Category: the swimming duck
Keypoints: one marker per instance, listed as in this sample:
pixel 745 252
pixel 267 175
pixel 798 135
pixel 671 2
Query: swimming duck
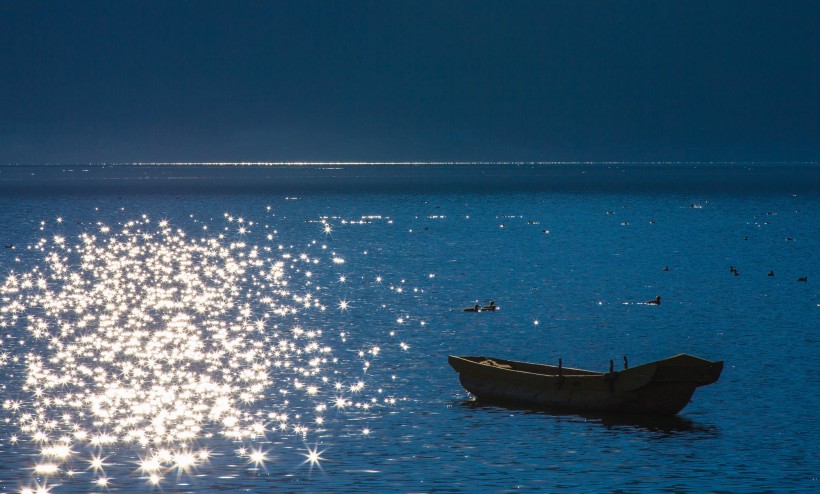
pixel 804 278
pixel 771 273
pixel 472 309
pixel 657 301
pixel 490 307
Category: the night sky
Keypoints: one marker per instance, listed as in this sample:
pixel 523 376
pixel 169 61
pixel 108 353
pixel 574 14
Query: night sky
pixel 117 81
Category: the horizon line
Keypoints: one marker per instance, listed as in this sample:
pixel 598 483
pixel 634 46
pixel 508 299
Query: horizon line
pixel 405 163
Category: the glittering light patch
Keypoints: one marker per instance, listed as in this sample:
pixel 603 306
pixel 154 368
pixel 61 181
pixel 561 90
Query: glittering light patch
pixel 141 334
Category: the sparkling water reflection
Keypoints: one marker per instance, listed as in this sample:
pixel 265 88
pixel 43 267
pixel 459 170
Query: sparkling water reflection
pixel 141 334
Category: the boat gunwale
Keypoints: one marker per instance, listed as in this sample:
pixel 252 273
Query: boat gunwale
pixel 565 371
pixel 471 361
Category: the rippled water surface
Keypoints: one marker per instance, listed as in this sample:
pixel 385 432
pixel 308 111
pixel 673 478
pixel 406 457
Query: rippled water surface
pixel 266 329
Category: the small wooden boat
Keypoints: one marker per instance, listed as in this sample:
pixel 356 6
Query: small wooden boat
pixel 657 388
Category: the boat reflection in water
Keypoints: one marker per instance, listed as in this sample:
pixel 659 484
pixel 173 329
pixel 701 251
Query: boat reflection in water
pixel 663 426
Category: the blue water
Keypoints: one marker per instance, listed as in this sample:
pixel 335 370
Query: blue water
pixel 568 252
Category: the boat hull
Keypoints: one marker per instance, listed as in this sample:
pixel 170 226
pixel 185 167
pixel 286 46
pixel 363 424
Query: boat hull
pixel 659 388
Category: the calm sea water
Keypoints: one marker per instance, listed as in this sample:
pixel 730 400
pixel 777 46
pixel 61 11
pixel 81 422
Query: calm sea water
pixel 338 381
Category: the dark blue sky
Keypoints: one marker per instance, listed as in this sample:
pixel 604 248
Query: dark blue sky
pixel 401 81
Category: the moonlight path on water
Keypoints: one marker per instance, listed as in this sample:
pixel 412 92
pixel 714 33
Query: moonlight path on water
pixel 140 334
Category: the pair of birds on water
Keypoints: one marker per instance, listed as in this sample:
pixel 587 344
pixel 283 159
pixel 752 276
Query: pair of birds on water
pixel 486 308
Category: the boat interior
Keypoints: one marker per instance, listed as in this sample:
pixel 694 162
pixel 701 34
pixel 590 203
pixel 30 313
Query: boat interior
pixel 551 370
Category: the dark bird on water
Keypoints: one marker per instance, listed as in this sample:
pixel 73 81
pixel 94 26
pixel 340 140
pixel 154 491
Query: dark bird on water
pixel 804 278
pixel 656 301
